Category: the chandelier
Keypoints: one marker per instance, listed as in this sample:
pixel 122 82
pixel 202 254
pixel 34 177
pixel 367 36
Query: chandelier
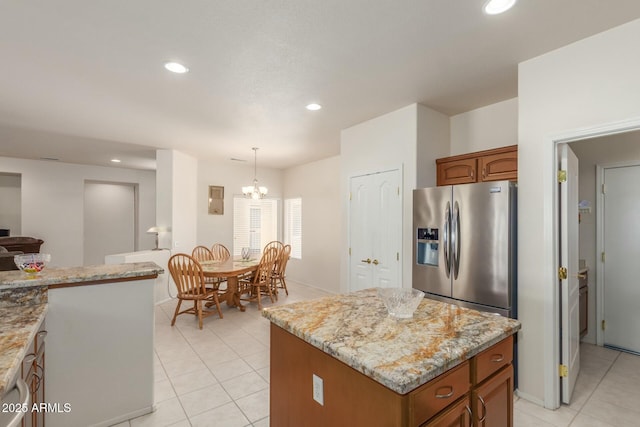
pixel 254 191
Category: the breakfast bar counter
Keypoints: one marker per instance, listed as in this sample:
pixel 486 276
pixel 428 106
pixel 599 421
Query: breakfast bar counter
pixel 97 325
pixel 364 361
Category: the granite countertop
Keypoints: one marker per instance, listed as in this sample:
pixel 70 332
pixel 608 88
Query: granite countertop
pixel 17 329
pixel 399 354
pixel 55 276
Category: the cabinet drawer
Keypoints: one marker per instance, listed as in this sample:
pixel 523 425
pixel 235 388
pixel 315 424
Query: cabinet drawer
pixel 492 359
pixel 439 393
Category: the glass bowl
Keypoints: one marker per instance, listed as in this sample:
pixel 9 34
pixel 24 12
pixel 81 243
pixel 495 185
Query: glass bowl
pixel 31 263
pixel 400 302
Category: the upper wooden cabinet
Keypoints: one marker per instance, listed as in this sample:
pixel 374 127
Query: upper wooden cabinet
pixel 489 165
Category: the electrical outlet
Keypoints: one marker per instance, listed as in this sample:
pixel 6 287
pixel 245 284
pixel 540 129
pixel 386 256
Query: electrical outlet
pixel 318 389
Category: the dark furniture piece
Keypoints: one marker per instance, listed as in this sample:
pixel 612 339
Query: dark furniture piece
pixel 6 260
pixel 28 245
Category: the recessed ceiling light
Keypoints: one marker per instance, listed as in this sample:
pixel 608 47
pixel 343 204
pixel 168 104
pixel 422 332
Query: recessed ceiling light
pixel 116 160
pixel 175 67
pixel 495 7
pixel 314 107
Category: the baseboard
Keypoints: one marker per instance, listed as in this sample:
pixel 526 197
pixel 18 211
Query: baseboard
pixel 529 398
pixel 126 417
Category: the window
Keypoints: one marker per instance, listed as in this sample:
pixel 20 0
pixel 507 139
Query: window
pixel 293 226
pixel 255 223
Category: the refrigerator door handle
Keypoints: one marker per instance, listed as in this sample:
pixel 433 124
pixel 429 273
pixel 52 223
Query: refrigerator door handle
pixel 445 240
pixel 455 240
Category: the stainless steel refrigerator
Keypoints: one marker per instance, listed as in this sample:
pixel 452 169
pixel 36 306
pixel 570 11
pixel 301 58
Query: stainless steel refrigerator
pixel 465 249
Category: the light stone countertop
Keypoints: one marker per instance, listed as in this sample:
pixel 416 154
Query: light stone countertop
pixel 18 327
pixel 399 354
pixel 95 273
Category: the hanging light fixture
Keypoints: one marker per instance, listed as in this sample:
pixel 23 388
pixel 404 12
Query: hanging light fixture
pixel 253 191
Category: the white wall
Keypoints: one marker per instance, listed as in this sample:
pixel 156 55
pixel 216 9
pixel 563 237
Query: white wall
pixel 433 143
pixel 176 205
pixel 391 142
pixel 318 184
pixel 232 176
pixel 591 83
pixel 10 217
pixel 493 126
pixel 52 203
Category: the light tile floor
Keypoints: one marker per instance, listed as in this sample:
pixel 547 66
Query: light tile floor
pixel 219 376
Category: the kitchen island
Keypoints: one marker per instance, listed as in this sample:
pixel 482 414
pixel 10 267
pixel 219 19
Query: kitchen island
pixel 341 360
pixel 97 325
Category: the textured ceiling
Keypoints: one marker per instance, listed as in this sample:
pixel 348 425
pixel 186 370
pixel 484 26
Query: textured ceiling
pixel 83 81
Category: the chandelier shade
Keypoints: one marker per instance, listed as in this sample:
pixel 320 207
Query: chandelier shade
pixel 255 191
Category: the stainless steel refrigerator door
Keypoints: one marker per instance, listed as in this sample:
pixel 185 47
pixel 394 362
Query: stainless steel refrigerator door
pixel 431 231
pixel 481 243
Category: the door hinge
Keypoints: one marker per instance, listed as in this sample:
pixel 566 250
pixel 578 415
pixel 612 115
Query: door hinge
pixel 397 256
pixel 562 273
pixel 349 251
pixel 604 189
pixel 602 257
pixel 398 191
pixel 563 371
pixel 349 195
pixel 604 325
pixel 562 176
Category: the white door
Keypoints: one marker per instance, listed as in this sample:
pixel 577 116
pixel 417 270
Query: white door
pixel 375 230
pixel 569 287
pixel 621 236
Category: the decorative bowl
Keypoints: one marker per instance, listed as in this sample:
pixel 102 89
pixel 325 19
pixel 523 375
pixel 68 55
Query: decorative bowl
pixel 31 263
pixel 400 302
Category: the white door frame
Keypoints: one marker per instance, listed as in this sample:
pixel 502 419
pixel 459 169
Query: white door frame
pixel 551 350
pixel 600 242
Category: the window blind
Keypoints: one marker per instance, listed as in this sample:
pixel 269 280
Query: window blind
pixel 293 226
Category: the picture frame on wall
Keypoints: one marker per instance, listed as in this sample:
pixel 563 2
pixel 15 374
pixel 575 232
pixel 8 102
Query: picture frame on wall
pixel 216 200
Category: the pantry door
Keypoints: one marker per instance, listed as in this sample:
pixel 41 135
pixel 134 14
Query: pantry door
pixel 375 230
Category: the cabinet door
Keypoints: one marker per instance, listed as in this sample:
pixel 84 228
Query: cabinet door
pixel 457 172
pixel 492 401
pixel 458 415
pixel 497 167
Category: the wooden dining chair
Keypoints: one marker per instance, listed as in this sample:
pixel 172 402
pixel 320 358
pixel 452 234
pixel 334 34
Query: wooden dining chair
pixel 187 274
pixel 202 253
pixel 260 283
pixel 279 272
pixel 273 244
pixel 220 251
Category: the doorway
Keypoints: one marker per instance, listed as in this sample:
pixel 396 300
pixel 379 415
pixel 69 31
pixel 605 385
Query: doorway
pixel 605 144
pixel 110 220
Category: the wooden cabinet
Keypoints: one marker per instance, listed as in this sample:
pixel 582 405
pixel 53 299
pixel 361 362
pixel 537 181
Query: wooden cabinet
pixel 492 401
pixel 457 415
pixel 489 165
pixel 583 281
pixel 33 373
pixel 477 392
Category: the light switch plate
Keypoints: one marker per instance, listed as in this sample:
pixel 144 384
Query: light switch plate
pixel 318 389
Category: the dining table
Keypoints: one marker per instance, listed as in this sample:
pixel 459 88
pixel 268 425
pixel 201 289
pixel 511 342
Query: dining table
pixel 230 269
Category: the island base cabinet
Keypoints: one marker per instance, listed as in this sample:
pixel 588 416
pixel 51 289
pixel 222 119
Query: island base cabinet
pixel 350 398
pixel 492 401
